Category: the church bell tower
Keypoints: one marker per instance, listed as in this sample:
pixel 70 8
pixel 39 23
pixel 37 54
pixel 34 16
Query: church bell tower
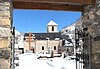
pixel 52 27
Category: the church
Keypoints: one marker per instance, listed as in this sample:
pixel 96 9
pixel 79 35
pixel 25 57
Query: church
pixel 44 42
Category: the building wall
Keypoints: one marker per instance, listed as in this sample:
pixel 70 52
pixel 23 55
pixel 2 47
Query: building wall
pixel 26 45
pixel 91 21
pixel 4 43
pixel 5 31
pixel 37 45
pixel 5 23
pixel 96 55
pixel 50 29
pixel 5 13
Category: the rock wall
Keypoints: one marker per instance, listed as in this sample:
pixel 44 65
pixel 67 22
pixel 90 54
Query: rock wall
pixel 90 20
pixel 5 20
pixel 5 33
pixel 91 25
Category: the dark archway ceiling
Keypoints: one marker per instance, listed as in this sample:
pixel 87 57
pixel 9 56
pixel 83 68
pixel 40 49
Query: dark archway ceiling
pixel 64 5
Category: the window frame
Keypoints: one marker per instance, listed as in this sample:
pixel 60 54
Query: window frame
pixel 52 28
pixel 42 47
pixel 55 48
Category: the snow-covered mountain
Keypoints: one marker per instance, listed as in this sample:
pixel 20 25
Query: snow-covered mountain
pixel 68 34
pixel 18 40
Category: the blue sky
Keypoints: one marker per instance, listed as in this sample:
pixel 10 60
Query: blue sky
pixel 37 20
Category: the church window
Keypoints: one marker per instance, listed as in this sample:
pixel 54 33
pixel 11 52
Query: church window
pixel 42 47
pixel 54 47
pixel 52 28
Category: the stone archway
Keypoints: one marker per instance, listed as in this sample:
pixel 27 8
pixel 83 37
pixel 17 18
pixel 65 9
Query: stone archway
pixel 90 19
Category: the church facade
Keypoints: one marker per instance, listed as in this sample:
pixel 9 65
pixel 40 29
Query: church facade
pixel 44 42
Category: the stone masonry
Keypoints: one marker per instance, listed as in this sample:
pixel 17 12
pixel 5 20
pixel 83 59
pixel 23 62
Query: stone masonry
pixel 91 21
pixel 5 33
pixel 90 24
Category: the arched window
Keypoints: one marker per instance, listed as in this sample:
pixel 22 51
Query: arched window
pixel 54 47
pixel 42 47
pixel 67 50
pixel 52 28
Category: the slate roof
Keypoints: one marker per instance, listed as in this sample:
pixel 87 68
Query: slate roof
pixel 44 36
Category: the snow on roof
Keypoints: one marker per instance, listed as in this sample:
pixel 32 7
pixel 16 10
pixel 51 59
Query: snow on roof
pixel 52 23
pixel 70 28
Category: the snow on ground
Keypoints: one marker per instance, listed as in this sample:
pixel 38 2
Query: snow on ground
pixel 30 61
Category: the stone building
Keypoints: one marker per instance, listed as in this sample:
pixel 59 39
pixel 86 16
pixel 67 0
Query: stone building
pixel 90 20
pixel 44 42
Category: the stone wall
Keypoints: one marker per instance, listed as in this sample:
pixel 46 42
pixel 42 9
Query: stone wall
pixel 96 55
pixel 37 45
pixel 5 20
pixel 5 11
pixel 5 34
pixel 4 43
pixel 91 21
